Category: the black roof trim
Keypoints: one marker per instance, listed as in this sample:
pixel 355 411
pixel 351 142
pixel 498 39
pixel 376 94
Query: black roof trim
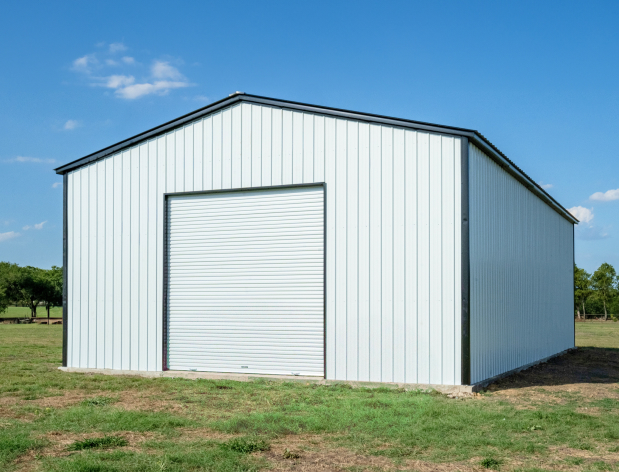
pixel 474 137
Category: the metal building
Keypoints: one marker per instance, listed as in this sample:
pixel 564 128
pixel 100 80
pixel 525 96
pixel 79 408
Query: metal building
pixel 265 236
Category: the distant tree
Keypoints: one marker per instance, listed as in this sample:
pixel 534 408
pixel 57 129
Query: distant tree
pixel 8 272
pixel 53 288
pixel 604 281
pixel 582 289
pixel 28 286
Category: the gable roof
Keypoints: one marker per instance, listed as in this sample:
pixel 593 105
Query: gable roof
pixel 473 136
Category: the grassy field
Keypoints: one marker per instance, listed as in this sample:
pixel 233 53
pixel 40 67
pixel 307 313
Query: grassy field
pixel 24 312
pixel 563 415
pixel 597 334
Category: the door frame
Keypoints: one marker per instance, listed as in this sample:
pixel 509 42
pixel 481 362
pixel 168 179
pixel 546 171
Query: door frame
pixel 165 271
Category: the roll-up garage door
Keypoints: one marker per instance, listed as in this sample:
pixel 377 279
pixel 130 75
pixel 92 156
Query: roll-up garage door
pixel 245 288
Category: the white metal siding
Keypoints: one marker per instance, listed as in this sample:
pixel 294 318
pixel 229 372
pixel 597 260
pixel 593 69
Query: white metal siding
pixel 246 282
pixel 521 256
pixel 393 236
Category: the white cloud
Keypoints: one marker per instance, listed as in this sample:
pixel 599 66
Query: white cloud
pixel 163 70
pixel 607 196
pixel 30 159
pixel 56 184
pixel 116 47
pixel 160 87
pixel 119 81
pixel 85 63
pixel 125 86
pixel 35 226
pixel 71 124
pixel 159 80
pixel 584 215
pixel 545 186
pixel 586 230
pixel 7 236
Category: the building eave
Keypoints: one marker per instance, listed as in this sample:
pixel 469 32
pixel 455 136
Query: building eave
pixel 474 137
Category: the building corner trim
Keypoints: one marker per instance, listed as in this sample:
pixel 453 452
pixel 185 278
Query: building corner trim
pixel 65 268
pixel 164 301
pixel 573 280
pixel 465 378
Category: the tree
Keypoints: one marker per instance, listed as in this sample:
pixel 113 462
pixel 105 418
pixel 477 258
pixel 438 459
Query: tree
pixel 582 289
pixel 28 286
pixel 8 273
pixel 53 288
pixel 604 282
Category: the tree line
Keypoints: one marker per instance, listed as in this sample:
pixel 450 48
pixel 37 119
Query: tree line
pixel 30 286
pixel 596 293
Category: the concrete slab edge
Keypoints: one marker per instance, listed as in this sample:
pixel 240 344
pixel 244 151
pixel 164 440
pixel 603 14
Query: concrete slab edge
pixel 191 375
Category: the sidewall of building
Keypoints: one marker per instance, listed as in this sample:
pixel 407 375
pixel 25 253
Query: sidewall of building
pixel 521 273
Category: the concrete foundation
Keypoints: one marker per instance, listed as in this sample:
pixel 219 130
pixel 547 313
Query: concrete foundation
pixel 453 390
pixel 191 375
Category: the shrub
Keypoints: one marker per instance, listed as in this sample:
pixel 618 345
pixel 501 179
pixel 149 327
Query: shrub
pixel 246 445
pixel 490 463
pixel 103 443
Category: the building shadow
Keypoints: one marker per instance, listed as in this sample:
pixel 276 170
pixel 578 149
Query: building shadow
pixel 585 365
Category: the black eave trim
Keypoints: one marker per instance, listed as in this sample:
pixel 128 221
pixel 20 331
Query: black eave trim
pixel 65 268
pixel 234 190
pixel 466 266
pixel 474 137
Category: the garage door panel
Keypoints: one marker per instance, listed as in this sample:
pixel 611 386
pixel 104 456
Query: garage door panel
pixel 246 282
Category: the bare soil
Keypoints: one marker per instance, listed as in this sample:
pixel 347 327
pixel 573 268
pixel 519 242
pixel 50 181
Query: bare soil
pixel 315 454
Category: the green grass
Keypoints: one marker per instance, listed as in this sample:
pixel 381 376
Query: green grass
pixel 24 312
pixel 226 425
pixel 597 334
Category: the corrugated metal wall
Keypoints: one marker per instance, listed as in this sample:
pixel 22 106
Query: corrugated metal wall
pixel 393 237
pixel 521 256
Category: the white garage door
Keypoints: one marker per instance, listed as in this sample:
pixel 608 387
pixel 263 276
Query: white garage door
pixel 245 286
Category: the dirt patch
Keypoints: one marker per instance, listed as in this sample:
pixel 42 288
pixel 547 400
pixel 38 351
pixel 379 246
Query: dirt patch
pixel 567 458
pixel 60 441
pixel 7 408
pixel 310 453
pixel 129 400
pixel 70 398
pixel 10 405
pixel 599 454
pixel 148 401
pixel 592 373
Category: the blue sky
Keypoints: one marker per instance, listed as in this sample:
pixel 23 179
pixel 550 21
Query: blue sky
pixel 539 79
